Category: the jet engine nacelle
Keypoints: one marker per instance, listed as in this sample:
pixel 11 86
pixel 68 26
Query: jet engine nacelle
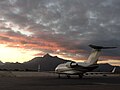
pixel 71 64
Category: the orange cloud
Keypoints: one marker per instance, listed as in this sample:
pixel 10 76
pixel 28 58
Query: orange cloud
pixel 13 39
pixel 18 40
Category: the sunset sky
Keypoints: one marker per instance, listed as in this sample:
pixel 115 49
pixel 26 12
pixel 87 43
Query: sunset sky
pixel 63 28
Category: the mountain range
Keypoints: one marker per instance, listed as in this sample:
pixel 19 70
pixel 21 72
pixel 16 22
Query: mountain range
pixel 47 63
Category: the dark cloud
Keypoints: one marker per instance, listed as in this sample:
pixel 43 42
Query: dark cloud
pixel 70 25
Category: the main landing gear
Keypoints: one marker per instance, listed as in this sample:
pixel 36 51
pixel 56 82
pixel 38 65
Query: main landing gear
pixel 80 76
pixel 68 76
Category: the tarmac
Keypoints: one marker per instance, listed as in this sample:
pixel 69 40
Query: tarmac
pixel 50 81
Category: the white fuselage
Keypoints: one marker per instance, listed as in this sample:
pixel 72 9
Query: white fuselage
pixel 64 69
pixel 67 69
pixel 82 67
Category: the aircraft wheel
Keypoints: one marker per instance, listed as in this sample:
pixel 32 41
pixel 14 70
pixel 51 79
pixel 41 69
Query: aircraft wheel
pixel 80 76
pixel 68 76
pixel 58 75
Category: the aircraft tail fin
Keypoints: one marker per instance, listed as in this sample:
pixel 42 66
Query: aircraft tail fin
pixel 93 58
pixel 100 47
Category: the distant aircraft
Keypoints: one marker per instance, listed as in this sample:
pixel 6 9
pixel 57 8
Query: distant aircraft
pixel 100 73
pixel 79 68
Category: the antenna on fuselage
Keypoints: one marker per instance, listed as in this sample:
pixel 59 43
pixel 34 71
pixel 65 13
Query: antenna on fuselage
pixel 39 68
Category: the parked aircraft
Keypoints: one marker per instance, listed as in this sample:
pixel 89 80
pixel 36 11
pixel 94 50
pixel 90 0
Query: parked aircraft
pixel 100 73
pixel 79 68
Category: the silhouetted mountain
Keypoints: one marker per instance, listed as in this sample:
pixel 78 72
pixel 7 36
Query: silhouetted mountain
pixel 117 69
pixel 1 63
pixel 11 66
pixel 48 63
pixel 104 67
pixel 107 68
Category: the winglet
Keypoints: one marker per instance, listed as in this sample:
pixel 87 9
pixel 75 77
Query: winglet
pixel 113 71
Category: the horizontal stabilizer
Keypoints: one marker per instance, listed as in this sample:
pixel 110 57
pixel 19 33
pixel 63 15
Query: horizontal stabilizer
pixel 101 47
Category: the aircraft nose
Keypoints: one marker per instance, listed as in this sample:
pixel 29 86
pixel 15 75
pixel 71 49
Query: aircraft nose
pixel 56 69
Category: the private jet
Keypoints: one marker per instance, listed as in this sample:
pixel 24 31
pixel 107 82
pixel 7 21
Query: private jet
pixel 79 68
pixel 100 73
